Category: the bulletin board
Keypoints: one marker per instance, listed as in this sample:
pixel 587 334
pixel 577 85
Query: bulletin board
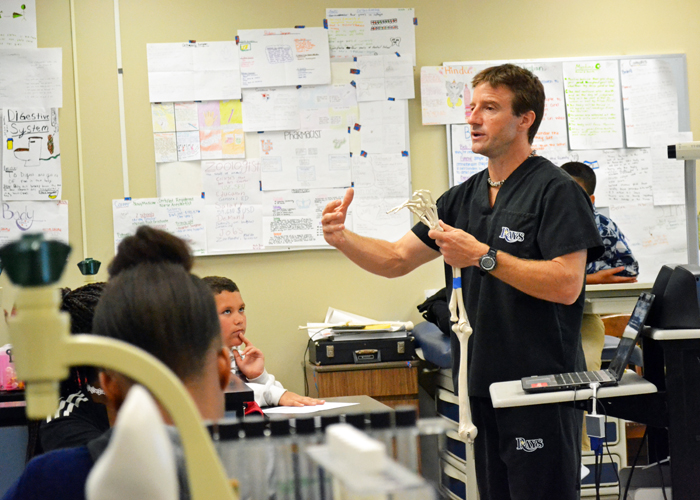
pixel 249 169
pixel 652 199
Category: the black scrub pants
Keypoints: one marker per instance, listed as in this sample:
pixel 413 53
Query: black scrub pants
pixel 527 452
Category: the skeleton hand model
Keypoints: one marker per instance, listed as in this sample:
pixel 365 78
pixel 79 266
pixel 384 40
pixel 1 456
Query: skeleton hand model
pixel 422 205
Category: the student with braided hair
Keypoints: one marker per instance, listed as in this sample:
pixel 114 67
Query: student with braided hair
pixel 82 414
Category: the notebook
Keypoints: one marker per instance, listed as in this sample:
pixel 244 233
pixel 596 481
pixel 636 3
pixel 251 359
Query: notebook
pixel 609 376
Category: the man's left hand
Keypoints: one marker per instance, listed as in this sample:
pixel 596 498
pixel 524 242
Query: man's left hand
pixel 459 248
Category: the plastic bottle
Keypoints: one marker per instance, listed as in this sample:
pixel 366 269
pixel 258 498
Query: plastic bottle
pixel 306 471
pixel 380 429
pixel 257 482
pixel 283 475
pixel 231 449
pixel 406 437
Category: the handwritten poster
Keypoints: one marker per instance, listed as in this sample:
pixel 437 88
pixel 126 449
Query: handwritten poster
pixel 23 217
pixel 291 56
pixel 593 104
pixel 31 160
pixel 31 78
pixel 383 126
pixel 17 24
pixel 292 217
pixel 305 159
pixel 649 99
pixel 668 175
pixel 384 77
pixel 657 235
pixel 551 134
pixel 328 106
pixel 629 171
pixel 446 93
pixel 369 32
pixel 180 216
pixel 465 163
pixel 232 205
pixel 204 71
pixel 271 109
pixel 382 182
pixel 598 160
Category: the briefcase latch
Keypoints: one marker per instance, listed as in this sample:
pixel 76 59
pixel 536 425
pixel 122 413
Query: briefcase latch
pixel 367 356
pixel 330 351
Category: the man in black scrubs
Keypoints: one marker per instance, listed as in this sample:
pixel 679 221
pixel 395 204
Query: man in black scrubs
pixel 521 231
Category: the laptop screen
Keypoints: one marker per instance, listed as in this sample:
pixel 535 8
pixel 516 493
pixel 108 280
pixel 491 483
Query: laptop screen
pixel 631 334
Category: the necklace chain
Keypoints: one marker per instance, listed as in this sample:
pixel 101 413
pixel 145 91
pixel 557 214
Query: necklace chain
pixel 497 184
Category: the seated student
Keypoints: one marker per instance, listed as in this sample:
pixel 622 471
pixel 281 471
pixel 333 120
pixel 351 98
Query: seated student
pixel 249 362
pixel 616 265
pixel 81 414
pixel 151 301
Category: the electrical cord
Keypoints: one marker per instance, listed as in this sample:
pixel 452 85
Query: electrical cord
pixel 303 367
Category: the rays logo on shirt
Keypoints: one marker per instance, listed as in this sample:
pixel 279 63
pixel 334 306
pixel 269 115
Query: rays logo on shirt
pixel 511 236
pixel 528 445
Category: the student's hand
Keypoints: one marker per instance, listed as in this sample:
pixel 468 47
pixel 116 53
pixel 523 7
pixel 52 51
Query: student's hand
pixel 333 220
pixel 293 399
pixel 252 362
pixel 459 248
pixel 608 276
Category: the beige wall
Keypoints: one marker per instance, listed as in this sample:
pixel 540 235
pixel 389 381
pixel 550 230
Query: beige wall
pixel 283 290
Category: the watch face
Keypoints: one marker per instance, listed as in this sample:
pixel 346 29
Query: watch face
pixel 487 263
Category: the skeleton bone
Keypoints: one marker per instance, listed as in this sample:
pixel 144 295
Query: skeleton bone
pixel 423 206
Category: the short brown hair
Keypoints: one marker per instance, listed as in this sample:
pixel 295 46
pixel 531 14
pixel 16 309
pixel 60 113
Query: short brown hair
pixel 528 91
pixel 219 284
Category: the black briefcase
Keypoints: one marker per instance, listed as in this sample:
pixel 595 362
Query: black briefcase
pixel 343 352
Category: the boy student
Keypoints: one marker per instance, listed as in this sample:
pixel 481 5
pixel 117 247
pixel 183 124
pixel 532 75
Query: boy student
pixel 521 231
pixel 250 361
pixel 151 301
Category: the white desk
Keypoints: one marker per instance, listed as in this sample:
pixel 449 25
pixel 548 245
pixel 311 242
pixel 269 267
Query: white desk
pixel 614 298
pixel 507 394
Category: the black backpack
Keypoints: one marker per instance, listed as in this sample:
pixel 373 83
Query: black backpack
pixel 436 310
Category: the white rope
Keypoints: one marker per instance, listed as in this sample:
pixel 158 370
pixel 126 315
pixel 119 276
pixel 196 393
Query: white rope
pixel 423 206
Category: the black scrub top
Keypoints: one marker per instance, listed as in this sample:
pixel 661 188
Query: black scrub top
pixel 540 213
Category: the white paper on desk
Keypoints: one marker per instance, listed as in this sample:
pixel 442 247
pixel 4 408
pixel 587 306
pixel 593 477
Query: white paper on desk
pixel 293 217
pixel 18 26
pixel 204 71
pixel 381 183
pixel 552 132
pixel 649 99
pixel 266 109
pixel 289 56
pixel 337 316
pixel 668 175
pixel 31 163
pixel 233 205
pixel 305 409
pixel 384 77
pixel 593 104
pixel 328 106
pixel 31 78
pixel 181 216
pixel 305 159
pixel 364 32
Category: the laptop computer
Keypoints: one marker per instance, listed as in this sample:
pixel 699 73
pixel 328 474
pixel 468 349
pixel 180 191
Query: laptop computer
pixel 609 376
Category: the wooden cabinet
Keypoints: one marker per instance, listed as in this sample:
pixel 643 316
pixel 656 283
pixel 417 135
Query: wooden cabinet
pixel 393 383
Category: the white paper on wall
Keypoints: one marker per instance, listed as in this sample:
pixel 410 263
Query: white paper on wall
pixel 180 216
pixel 23 217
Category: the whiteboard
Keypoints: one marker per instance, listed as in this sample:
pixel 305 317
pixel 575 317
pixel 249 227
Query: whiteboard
pixel 677 65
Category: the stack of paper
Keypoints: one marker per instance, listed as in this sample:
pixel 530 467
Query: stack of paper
pixel 344 326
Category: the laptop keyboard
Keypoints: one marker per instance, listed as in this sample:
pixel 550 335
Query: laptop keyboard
pixel 582 377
